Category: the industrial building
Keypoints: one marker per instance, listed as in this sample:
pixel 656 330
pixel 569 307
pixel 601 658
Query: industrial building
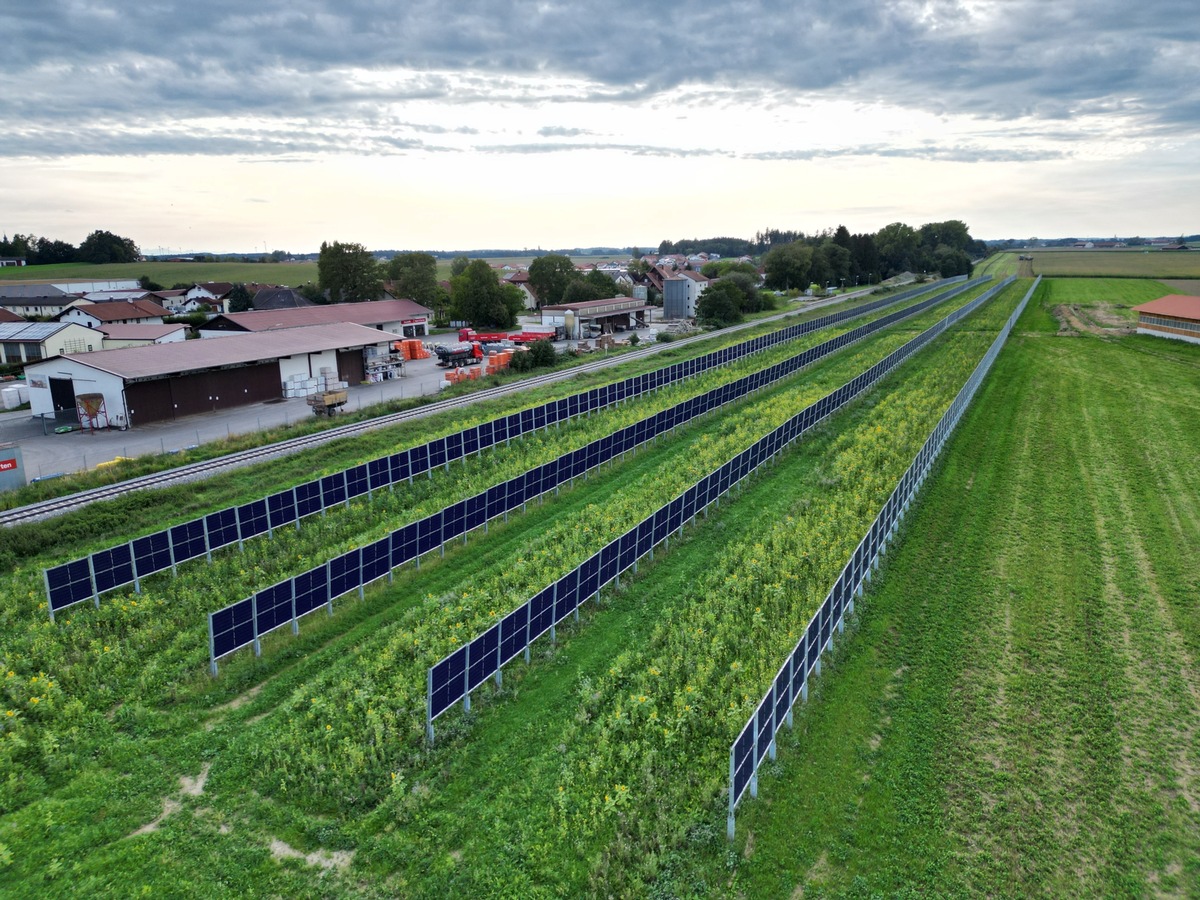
pixel 402 318
pixel 136 385
pixel 590 318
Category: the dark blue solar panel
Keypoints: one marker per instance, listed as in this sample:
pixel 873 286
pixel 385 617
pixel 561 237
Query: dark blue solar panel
pixel 358 480
pixel 333 489
pixel 113 567
pixel 437 453
pixel 400 466
pixel 405 542
pixel 379 472
pixel 512 633
pixel 566 595
pixel 446 682
pixel 799 670
pixel 484 657
pixel 476 510
pixel 454 519
pixel 675 513
pixel 645 536
pixel 526 421
pixel 252 519
pixel 609 556
pixel 376 560
pixel 539 416
pixel 541 612
pixel 418 460
pixel 814 643
pixel 281 510
pixel 188 540
pixel 513 427
pixel 345 573
pixel 273 607
pixel 497 500
pixel 312 590
pixel 454 446
pixel 589 577
pixel 662 524
pixel 562 410
pixel 232 627
pixel 486 438
pixel 69 583
pixel 762 724
pixel 152 553
pixel 429 533
pixel 628 552
pixel 516 491
pixel 308 499
pixel 222 528
pixel 782 683
pixel 470 441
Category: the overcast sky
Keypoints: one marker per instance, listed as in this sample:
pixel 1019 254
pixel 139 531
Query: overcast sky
pixel 226 125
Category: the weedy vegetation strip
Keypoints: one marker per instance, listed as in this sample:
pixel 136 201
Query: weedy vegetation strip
pixel 116 566
pixel 246 621
pixel 757 739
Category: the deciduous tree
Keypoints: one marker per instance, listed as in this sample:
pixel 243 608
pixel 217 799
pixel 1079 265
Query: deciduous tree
pixel 549 276
pixel 348 273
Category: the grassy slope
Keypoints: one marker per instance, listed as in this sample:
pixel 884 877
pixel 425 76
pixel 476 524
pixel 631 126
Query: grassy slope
pixel 1018 714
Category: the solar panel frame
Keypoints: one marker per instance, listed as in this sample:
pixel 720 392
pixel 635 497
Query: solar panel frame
pixel 112 568
pixel 151 553
pixel 68 584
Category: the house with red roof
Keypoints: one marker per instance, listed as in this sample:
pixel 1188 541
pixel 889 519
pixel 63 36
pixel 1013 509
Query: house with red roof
pixel 1176 316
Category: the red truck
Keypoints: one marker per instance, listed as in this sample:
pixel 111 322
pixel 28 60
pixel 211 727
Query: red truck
pixel 546 334
pixel 466 335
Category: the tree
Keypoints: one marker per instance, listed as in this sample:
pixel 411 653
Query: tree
pixel 240 300
pixel 459 265
pixel 348 273
pixel 549 276
pixel 414 276
pixel 788 266
pixel 720 267
pixel 897 245
pixel 604 285
pixel 146 283
pixel 747 285
pixel 479 298
pixel 581 291
pixel 49 252
pixel 106 247
pixel 719 305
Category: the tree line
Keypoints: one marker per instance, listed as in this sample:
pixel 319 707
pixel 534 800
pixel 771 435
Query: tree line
pixel 98 247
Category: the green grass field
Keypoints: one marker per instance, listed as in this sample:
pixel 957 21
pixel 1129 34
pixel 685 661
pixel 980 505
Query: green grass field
pixel 1014 712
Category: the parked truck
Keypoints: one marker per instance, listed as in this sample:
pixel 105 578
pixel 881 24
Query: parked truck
pixel 456 355
pixel 547 333
pixel 466 335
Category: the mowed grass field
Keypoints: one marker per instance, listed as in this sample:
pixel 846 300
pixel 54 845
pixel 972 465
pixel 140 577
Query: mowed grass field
pixel 1018 713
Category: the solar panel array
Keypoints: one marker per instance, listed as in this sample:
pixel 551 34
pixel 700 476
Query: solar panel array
pixel 757 738
pixel 91 576
pixel 460 672
pixel 238 625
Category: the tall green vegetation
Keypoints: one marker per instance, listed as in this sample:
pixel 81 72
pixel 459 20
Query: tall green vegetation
pixel 348 273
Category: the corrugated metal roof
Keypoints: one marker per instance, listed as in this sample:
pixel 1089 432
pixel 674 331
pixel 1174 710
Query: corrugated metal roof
pixel 159 360
pixel 1181 306
pixel 30 331
pixel 138 332
pixel 372 312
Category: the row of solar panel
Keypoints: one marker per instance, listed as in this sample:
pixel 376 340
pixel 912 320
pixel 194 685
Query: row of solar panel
pixel 235 626
pixel 757 737
pixel 455 676
pixel 115 567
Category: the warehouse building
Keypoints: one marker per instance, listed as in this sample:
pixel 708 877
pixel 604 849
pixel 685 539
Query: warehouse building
pixel 137 385
pixel 402 318
pixel 26 342
pixel 1175 316
pixel 590 318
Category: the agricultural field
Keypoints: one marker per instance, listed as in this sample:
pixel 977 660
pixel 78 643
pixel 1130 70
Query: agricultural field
pixel 1131 263
pixel 1032 642
pixel 1099 305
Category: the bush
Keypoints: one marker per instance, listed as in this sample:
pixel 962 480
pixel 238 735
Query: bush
pixel 665 337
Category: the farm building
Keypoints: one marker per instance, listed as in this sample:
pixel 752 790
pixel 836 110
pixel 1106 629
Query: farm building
pixel 30 300
pixel 165 381
pixel 27 342
pixel 115 312
pixel 398 317
pixel 606 316
pixel 117 336
pixel 1175 316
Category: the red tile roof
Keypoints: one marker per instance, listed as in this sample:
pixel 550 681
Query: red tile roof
pixel 1180 306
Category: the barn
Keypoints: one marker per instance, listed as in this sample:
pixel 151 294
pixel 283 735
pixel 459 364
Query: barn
pixel 165 381
pixel 402 318
pixel 1175 316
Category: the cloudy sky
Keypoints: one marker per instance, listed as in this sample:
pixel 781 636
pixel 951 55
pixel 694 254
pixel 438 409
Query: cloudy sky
pixel 244 124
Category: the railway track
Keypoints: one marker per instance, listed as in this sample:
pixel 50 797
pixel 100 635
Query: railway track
pixel 193 471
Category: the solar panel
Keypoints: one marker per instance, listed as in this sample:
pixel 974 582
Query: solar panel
pixel 311 590
pixel 152 553
pixel 231 628
pixel 358 480
pixel 446 682
pixel 484 657
pixel 513 628
pixel 376 560
pixel 222 528
pixel 333 489
pixel 187 540
pixel 113 567
pixel 541 613
pixel 273 607
pixel 68 584
pixel 763 725
pixel 281 508
pixel 308 499
pixel 345 573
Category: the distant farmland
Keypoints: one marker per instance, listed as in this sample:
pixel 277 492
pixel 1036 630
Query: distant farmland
pixel 1116 263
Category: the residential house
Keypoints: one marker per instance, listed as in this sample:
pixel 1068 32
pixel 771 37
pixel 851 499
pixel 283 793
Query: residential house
pixel 115 312
pixel 26 342
pixel 521 280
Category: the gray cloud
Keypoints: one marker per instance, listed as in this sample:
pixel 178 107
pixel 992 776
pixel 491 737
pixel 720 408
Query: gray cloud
pixel 73 68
